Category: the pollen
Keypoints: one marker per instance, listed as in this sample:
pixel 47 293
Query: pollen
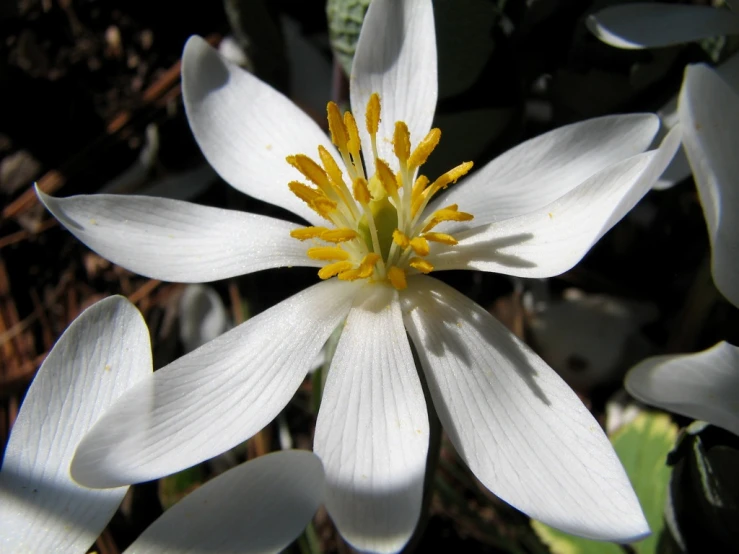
pixel 306 233
pixel 327 253
pixel 397 277
pixel 421 265
pixel 442 238
pixel 338 235
pixel 420 246
pixel 378 227
pixel 328 271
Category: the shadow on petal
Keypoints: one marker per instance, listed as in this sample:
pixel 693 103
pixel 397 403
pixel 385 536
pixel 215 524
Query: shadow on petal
pixel 433 302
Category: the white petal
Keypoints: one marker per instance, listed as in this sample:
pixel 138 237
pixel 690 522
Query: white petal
pixel 679 168
pixel 709 112
pixel 652 25
pixel 260 506
pixel 102 354
pixel 702 386
pixel 519 427
pixel 553 239
pixel 396 58
pixel 372 431
pixel 177 241
pixel 245 128
pixel 539 171
pixel 215 397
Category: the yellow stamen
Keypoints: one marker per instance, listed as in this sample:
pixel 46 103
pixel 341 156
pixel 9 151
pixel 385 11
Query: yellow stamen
pixel 421 265
pixel 443 238
pixel 306 233
pixel 338 235
pixel 387 178
pixel 351 127
pixel 450 213
pixel 402 141
pixel 332 168
pixel 424 148
pixel 400 239
pixel 397 277
pixel 323 206
pixel 335 268
pixel 304 192
pixel 327 253
pixel 312 171
pixel 361 191
pixel 336 126
pixel 450 176
pixel 373 114
pixel 420 246
pixel 367 265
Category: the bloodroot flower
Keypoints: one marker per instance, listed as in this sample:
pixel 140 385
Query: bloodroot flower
pixel 377 227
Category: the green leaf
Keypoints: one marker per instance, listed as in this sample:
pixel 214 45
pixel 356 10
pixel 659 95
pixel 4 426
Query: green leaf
pixel 642 446
pixel 344 23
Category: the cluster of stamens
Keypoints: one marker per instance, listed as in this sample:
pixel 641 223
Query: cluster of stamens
pixel 376 228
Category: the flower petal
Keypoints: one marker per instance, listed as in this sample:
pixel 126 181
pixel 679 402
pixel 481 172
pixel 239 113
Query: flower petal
pixel 541 170
pixel 396 58
pixel 522 431
pixel 652 25
pixel 100 355
pixel 702 386
pixel 245 128
pixel 215 397
pixel 709 112
pixel 551 240
pixel 260 506
pixel 177 241
pixel 372 431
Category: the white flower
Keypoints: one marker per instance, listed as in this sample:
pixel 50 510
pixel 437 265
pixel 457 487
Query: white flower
pixel 42 509
pixel 708 109
pixel 535 211
pixel 704 385
pixel 652 25
pixel 101 355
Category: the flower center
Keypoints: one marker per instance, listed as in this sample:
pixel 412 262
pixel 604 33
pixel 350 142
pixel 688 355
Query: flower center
pixel 376 231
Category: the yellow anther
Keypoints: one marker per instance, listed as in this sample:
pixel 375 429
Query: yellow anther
pixel 304 192
pixel 312 171
pixel 450 213
pixel 361 191
pixel 373 114
pixel 367 265
pixel 424 148
pixel 292 160
pixel 421 265
pixel 387 178
pixel 350 275
pixel 338 235
pixel 323 206
pixel 351 127
pixel 443 238
pixel 327 253
pixel 306 233
pixel 402 141
pixel 421 182
pixel 336 126
pixel 420 246
pixel 450 176
pixel 332 168
pixel 335 268
pixel 400 239
pixel 397 277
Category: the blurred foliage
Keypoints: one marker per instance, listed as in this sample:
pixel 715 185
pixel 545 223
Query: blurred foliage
pixel 642 446
pixel 344 23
